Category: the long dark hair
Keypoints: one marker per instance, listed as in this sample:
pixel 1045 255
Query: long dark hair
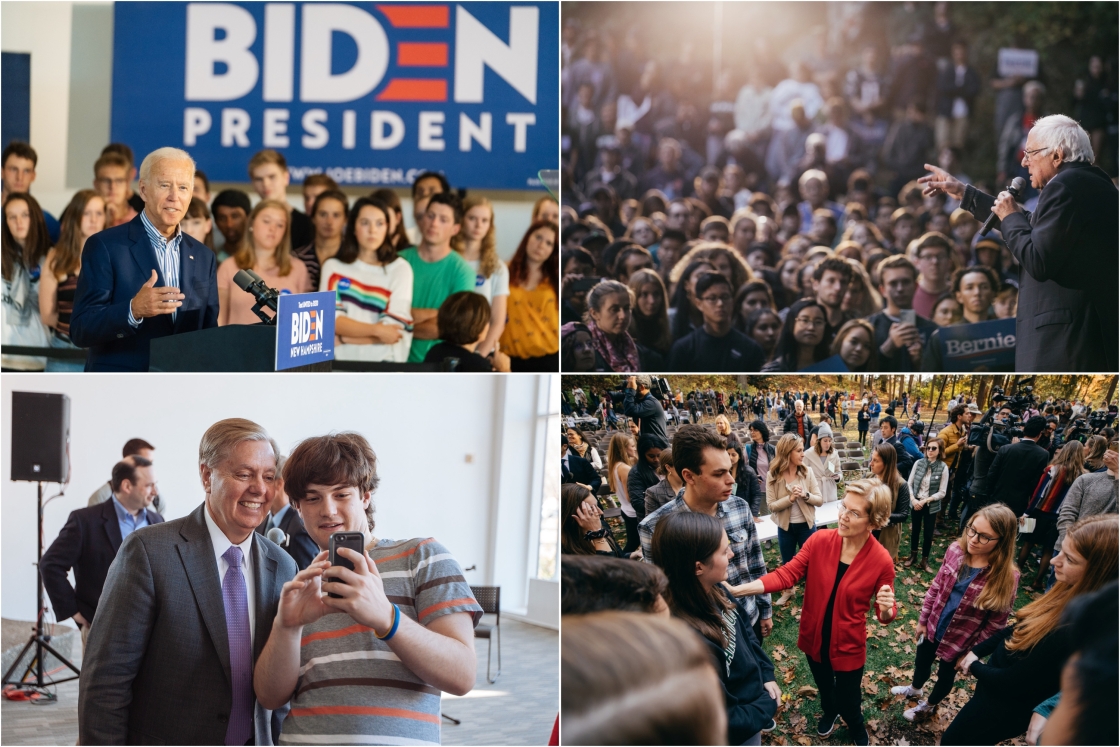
pixel 651 331
pixel 682 322
pixel 519 264
pixel 572 541
pixel 389 197
pixel 350 250
pixel 35 246
pixel 786 350
pixel 681 540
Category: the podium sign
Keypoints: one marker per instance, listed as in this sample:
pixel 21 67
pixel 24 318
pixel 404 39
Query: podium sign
pixel 304 329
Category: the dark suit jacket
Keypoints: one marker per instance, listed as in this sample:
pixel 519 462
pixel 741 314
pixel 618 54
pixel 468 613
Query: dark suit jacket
pixel 1068 320
pixel 1014 474
pixel 157 667
pixel 300 545
pixel 115 265
pixel 87 543
pixel 580 470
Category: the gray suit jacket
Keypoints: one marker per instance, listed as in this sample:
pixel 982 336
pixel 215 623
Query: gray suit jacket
pixel 157 668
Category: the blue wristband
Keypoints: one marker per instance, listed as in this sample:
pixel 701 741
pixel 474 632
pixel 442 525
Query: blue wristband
pixel 396 624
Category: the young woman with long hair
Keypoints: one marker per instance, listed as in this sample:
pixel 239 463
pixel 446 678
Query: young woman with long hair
pixel 583 531
pixel 863 423
pixel 759 453
pixel 1095 447
pixel 802 341
pixel 1066 466
pixel 622 453
pixel 855 344
pixel 764 326
pixel 267 250
pixel 684 315
pixel 198 223
pixel 928 483
pixel 649 324
pixel 846 570
pixel 824 462
pixel 58 281
pixel 477 243
pixel 329 216
pixel 792 495
pixel 579 445
pixel 1025 660
pixel 969 600
pixel 693 550
pixel 531 337
pixel 25 243
pixel 397 232
pixel 746 480
pixel 884 465
pixel 373 286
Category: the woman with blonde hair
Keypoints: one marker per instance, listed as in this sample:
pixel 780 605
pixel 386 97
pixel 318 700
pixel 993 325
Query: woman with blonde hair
pixel 643 232
pixel 792 495
pixel 622 453
pixel 1025 660
pixel 1095 447
pixel 649 324
pixel 723 428
pixel 58 278
pixel 846 570
pixel 968 602
pixel 267 251
pixel 1066 466
pixel 546 209
pixel 477 243
pixel 884 465
pixel 823 461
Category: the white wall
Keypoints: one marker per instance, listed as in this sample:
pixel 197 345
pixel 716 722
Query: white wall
pixel 424 428
pixel 68 143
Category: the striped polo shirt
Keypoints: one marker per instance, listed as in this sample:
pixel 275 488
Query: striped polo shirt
pixel 352 688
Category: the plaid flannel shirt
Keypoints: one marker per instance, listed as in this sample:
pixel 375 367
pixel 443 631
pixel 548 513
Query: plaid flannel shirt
pixel 969 626
pixel 747 563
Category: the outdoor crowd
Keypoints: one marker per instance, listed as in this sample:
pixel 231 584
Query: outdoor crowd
pixel 425 294
pixel 692 506
pixel 771 219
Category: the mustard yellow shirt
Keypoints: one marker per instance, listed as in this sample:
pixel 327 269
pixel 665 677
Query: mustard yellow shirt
pixel 532 322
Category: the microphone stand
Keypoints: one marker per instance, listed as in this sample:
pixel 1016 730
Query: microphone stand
pixel 38 639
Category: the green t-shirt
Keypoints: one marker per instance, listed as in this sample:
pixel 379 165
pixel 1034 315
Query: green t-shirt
pixel 432 283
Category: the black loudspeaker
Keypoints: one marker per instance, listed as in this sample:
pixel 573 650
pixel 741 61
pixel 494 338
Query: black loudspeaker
pixel 40 437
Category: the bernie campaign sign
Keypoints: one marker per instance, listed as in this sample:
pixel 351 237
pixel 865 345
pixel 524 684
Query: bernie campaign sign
pixel 983 346
pixel 367 93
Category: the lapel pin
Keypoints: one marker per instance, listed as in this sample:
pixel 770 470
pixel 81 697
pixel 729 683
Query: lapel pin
pixel 190 256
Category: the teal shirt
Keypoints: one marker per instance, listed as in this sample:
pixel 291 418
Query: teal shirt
pixel 432 283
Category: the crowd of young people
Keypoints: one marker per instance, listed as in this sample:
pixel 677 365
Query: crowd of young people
pixel 399 294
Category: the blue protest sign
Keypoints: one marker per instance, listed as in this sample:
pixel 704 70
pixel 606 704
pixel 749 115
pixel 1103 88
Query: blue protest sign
pixel 367 93
pixel 304 329
pixel 984 346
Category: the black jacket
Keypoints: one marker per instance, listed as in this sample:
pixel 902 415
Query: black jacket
pixel 948 90
pixel 790 426
pixel 700 352
pixel 1014 474
pixel 641 478
pixel 749 706
pixel 647 411
pixel 748 488
pixel 580 470
pixel 300 545
pixel 1068 319
pixel 88 543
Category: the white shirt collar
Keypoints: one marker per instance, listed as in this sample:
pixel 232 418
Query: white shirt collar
pixel 222 543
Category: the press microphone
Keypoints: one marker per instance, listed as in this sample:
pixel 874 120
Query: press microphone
pixel 254 284
pixel 1017 185
pixel 276 534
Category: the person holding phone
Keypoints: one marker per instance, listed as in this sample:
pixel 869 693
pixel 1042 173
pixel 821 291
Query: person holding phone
pixel 969 601
pixel 399 631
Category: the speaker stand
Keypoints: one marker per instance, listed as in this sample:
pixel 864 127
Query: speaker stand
pixel 40 641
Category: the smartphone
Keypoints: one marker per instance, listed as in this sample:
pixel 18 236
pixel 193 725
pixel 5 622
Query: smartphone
pixel 352 540
pixel 908 316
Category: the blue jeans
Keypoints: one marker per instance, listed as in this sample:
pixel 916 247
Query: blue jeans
pixel 60 364
pixel 791 540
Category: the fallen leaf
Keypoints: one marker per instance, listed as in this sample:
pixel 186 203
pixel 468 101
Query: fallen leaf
pixel 806 690
pixel 804 741
pixel 907 649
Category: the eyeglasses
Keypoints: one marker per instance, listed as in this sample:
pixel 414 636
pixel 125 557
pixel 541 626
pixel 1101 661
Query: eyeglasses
pixel 845 511
pixel 717 300
pixel 983 539
pixel 931 448
pixel 810 322
pixel 1027 154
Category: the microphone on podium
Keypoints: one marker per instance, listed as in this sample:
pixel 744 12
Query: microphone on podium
pixel 277 535
pixel 254 285
pixel 1014 189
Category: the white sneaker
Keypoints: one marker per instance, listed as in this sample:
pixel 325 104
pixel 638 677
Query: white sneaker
pixel 919 712
pixel 906 690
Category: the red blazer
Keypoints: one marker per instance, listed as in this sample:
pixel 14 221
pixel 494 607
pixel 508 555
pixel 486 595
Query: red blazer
pixel 817 562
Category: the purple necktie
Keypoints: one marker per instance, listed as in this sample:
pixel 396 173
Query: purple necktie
pixel 236 600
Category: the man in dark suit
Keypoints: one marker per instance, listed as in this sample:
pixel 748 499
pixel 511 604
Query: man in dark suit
pixel 91 538
pixel 1017 467
pixel 187 608
pixel 282 516
pixel 1068 318
pixel 147 278
pixel 574 468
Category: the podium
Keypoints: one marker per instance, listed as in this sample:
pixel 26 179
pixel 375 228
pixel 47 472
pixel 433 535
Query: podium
pixel 235 348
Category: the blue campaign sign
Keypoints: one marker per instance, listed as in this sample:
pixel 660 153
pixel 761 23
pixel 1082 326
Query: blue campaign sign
pixel 304 329
pixel 984 346
pixel 367 93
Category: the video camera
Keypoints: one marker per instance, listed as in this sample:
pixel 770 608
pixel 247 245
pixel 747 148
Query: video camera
pixel 1081 428
pixel 995 433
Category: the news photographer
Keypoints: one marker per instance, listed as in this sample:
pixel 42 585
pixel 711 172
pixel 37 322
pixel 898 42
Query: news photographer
pixel 1067 318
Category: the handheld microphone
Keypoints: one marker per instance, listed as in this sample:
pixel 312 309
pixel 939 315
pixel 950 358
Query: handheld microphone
pixel 1014 189
pixel 277 535
pixel 254 285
